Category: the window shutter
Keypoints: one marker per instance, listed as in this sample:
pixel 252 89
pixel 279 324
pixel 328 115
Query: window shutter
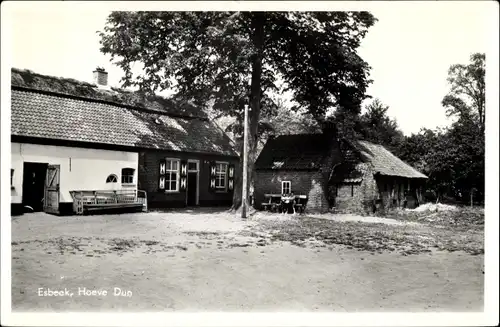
pixel 230 177
pixel 183 177
pixel 162 169
pixel 211 184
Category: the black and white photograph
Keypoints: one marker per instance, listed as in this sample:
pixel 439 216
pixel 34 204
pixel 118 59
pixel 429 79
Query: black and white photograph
pixel 247 163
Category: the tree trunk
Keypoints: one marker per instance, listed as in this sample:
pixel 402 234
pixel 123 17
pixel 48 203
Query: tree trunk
pixel 254 114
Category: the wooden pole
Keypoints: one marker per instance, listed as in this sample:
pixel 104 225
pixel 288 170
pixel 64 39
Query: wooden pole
pixel 245 168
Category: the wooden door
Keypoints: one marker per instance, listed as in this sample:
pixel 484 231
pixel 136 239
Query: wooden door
pixel 192 187
pixel 51 200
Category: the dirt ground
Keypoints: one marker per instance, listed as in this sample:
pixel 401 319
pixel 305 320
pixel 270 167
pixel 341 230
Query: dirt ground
pixel 211 260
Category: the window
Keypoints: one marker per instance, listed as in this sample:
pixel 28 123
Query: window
pixel 220 175
pixel 11 177
pixel 128 175
pixel 172 167
pixel 192 166
pixel 278 164
pixel 112 179
pixel 286 187
pixel 352 189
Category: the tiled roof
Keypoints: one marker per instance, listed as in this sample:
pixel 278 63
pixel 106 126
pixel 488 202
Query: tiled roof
pixel 384 162
pixel 44 115
pixel 295 152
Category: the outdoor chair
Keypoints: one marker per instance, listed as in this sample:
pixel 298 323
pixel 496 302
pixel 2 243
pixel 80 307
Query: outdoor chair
pixel 287 203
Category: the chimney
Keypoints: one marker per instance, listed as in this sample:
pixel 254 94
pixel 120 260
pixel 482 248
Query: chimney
pixel 100 77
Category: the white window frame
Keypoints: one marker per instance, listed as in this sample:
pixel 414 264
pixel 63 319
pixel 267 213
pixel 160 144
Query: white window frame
pixel 217 174
pixel 289 186
pixel 112 175
pixel 168 174
pixel 133 177
pixel 197 178
pixel 197 162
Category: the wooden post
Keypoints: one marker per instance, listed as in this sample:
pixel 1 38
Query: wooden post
pixel 245 168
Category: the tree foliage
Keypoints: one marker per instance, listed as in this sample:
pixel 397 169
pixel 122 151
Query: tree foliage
pixel 232 59
pixel 466 98
pixel 454 158
pixel 372 125
pixel 376 126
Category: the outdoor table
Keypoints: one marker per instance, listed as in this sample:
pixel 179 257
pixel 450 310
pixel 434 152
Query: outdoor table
pixel 276 202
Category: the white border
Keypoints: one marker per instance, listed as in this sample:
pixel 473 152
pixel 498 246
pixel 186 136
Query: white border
pixel 490 315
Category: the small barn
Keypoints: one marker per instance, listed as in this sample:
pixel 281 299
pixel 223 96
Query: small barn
pixel 335 173
pixel 72 139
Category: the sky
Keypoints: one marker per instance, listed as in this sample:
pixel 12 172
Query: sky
pixel 410 49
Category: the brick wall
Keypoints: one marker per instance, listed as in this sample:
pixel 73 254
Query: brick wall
pixel 309 183
pixel 385 192
pixel 148 178
pixel 356 197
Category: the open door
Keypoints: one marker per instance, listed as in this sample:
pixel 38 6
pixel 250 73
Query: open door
pixel 51 200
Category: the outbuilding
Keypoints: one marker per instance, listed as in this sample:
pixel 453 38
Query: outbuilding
pixel 334 173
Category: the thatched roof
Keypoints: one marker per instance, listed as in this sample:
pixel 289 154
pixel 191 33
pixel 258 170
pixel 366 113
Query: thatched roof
pixel 307 151
pixel 383 162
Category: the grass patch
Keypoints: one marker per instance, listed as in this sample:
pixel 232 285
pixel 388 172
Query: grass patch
pixel 203 234
pixel 463 218
pixel 406 239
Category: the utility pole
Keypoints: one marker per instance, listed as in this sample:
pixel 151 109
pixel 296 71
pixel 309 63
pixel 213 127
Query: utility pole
pixel 245 166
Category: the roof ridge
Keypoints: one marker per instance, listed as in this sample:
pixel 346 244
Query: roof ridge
pixel 113 103
pixel 299 134
pixel 70 87
pixel 68 79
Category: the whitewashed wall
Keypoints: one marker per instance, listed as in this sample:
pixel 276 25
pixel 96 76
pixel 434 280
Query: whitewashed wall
pixel 89 167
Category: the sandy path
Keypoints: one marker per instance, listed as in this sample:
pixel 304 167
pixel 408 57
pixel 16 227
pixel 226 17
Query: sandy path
pixel 199 263
pixel 274 277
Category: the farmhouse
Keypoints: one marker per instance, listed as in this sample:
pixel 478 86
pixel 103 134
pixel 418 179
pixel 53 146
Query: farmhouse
pixel 335 173
pixel 73 140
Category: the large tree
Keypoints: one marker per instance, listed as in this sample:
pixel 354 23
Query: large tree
pixel 453 158
pixel 230 59
pixel 467 90
pixel 376 126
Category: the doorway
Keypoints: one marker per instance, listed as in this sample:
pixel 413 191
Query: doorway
pixel 192 183
pixel 34 174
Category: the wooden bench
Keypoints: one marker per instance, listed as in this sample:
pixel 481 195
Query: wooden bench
pixel 87 201
pixel 300 203
pixel 272 204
